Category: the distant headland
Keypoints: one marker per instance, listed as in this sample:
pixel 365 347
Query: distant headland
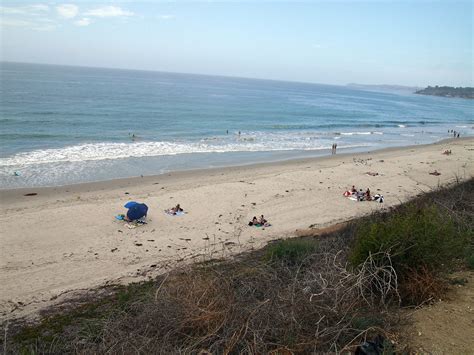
pixel 448 91
pixel 383 87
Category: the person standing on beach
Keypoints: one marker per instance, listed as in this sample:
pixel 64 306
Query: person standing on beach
pixel 335 148
pixel 332 149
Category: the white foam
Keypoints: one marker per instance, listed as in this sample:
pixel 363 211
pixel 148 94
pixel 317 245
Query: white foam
pixel 359 133
pixel 103 151
pixel 401 125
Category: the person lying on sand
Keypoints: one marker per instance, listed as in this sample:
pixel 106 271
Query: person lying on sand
pixel 350 192
pixel 435 173
pixel 447 152
pixel 174 210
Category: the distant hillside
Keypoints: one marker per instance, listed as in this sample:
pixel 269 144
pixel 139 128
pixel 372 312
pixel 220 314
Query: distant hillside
pixel 384 87
pixel 448 91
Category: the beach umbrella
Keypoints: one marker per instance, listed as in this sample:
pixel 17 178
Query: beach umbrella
pixel 137 211
pixel 130 204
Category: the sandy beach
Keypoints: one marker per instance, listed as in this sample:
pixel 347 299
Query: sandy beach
pixel 58 241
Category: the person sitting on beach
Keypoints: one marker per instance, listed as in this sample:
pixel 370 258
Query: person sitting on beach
pixel 367 195
pixel 353 190
pixel 254 221
pixel 262 220
pixel 360 195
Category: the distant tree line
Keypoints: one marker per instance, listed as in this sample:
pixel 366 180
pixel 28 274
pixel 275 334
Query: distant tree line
pixel 448 91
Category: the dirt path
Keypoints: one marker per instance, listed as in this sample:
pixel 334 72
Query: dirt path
pixel 446 327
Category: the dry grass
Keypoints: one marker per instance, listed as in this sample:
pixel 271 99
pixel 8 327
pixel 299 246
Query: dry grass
pixel 421 286
pixel 253 309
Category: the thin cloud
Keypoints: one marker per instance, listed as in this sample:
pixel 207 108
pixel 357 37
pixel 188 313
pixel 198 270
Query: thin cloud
pixel 67 10
pixel 34 24
pixel 108 11
pixel 29 10
pixel 14 22
pixel 83 22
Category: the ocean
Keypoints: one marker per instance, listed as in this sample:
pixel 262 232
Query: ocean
pixel 64 125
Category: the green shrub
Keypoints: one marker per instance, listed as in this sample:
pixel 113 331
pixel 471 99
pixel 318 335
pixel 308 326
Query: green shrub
pixel 291 251
pixel 470 261
pixel 414 236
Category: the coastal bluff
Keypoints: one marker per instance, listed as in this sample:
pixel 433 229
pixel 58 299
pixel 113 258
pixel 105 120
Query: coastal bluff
pixel 448 91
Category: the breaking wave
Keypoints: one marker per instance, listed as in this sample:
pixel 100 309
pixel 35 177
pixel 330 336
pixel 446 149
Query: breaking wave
pixel 104 151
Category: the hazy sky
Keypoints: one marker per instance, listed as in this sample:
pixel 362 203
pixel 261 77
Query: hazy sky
pixel 335 42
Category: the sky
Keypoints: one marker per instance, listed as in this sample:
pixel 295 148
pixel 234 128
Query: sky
pixel 409 42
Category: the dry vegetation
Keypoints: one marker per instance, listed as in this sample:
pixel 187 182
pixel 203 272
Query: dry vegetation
pixel 322 294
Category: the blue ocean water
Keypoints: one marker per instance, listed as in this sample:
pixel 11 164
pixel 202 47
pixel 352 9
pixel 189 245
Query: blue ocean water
pixel 62 125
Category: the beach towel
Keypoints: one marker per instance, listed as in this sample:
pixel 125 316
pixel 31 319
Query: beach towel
pixel 258 225
pixel 180 213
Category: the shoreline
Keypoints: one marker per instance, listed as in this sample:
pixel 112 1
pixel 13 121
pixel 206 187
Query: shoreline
pixel 65 239
pixel 151 166
pixel 6 193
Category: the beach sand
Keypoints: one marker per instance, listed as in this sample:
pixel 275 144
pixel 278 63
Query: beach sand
pixel 65 239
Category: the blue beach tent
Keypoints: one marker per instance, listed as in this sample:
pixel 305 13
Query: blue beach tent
pixel 136 210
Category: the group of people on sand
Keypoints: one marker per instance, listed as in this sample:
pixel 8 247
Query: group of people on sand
pixel 259 222
pixel 176 210
pixel 360 195
pixel 334 148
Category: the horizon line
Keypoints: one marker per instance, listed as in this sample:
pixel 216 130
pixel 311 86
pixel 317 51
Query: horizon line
pixel 216 75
